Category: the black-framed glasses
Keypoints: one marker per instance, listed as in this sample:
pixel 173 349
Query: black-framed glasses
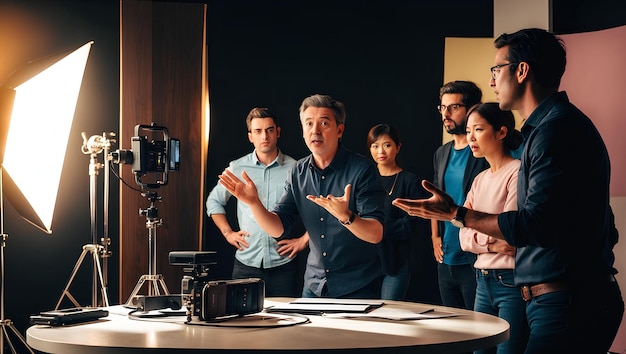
pixel 452 108
pixel 495 70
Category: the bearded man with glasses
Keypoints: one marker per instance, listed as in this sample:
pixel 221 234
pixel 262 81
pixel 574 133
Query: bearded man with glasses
pixel 455 168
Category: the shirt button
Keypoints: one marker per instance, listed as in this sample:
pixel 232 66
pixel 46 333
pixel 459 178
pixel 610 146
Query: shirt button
pixel 327 270
pixel 323 177
pixel 324 254
pixel 322 236
pixel 322 219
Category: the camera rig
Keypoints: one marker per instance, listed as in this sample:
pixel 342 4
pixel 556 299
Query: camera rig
pixel 209 300
pixel 152 152
pixel 152 156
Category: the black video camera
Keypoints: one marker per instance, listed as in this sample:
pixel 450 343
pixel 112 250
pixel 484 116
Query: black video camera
pixel 208 300
pixel 152 151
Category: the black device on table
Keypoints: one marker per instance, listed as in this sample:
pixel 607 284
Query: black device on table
pixel 68 316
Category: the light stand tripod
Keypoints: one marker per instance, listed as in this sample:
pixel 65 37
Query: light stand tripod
pixel 5 322
pixel 94 146
pixel 152 279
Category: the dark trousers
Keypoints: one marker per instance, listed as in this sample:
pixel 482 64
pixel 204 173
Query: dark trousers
pixel 457 285
pixel 584 319
pixel 370 291
pixel 279 281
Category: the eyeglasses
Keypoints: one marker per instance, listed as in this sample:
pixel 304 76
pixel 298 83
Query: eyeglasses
pixel 495 70
pixel 452 108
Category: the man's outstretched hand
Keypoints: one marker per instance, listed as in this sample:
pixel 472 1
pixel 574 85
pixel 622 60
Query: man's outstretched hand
pixel 337 206
pixel 439 206
pixel 244 190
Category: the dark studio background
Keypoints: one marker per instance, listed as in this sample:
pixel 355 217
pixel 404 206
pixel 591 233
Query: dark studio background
pixel 383 62
pixel 383 59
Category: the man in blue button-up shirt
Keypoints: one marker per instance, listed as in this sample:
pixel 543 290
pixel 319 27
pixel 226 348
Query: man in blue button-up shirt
pixel 339 197
pixel 258 254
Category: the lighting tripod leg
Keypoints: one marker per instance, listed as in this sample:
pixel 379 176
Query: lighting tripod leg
pixel 6 323
pixel 103 290
pixel 94 250
pixel 5 335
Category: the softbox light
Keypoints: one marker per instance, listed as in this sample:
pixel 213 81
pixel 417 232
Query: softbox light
pixel 37 106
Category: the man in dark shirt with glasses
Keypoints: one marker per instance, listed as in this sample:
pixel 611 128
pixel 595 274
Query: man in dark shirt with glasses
pixel 564 229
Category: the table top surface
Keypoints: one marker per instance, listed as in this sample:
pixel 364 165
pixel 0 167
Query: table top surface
pixel 464 331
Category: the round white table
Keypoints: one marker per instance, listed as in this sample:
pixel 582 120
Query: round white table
pixel 117 333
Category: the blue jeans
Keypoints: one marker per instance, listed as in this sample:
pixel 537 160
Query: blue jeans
pixel 279 281
pixel 457 285
pixel 497 295
pixel 584 319
pixel 394 286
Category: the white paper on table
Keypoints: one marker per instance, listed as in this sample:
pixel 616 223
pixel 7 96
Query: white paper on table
pixel 396 314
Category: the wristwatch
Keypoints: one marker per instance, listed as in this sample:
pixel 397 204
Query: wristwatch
pixel 459 219
pixel 350 219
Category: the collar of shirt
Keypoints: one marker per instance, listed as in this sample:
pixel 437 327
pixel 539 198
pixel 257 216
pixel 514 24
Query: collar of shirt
pixel 542 110
pixel 339 160
pixel 279 158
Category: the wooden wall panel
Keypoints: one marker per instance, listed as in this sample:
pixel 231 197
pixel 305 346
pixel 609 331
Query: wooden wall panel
pixel 163 81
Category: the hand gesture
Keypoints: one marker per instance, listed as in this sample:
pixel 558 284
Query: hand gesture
pixel 439 206
pixel 337 206
pixel 293 246
pixel 245 192
pixel 438 249
pixel 501 246
pixel 237 239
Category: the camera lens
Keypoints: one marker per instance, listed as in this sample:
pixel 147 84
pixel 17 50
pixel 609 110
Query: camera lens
pixel 121 156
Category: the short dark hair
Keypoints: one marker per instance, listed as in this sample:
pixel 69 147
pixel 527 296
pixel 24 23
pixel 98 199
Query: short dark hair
pixel 471 92
pixel 542 50
pixel 257 112
pixel 325 101
pixel 383 129
pixel 499 118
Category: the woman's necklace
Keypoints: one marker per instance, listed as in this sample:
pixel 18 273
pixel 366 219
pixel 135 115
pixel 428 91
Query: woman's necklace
pixel 394 183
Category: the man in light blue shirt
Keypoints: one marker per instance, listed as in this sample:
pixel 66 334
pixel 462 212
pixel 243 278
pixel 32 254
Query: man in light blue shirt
pixel 258 254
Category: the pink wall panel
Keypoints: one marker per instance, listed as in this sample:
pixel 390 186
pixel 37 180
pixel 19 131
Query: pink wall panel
pixel 595 81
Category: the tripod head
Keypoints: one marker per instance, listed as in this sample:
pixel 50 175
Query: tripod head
pixel 151 213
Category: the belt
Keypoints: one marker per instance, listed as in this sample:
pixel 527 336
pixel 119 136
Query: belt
pixel 531 291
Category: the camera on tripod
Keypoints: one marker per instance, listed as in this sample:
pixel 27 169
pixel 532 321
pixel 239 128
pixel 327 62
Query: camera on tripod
pixel 208 300
pixel 152 151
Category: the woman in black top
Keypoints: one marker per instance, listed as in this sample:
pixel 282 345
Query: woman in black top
pixel 384 144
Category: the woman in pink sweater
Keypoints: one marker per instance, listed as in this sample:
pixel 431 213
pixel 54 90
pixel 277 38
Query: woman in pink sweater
pixel 491 134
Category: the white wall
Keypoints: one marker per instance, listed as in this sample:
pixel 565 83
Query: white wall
pixel 511 15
